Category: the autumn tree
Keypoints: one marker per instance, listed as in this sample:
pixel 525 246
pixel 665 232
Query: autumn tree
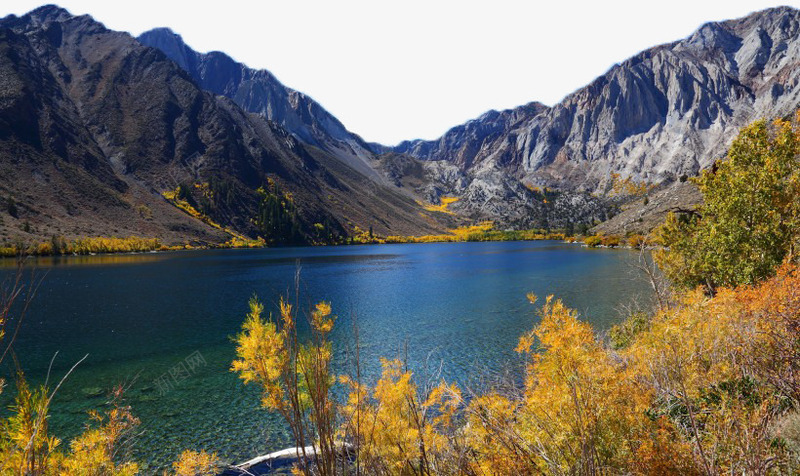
pixel 749 222
pixel 295 378
pixel 398 429
pixel 196 463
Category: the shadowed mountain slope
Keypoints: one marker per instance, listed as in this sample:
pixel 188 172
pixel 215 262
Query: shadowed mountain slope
pixel 260 92
pixel 94 127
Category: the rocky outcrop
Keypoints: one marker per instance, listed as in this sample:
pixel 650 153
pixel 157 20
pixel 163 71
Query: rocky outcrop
pixel 644 214
pixel 494 195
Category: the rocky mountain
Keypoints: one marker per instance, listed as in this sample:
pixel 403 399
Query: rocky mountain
pixel 258 91
pixel 95 127
pixel 503 199
pixel 461 144
pixel 669 111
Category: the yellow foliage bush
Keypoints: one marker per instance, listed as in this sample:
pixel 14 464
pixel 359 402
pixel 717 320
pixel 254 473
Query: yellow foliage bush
pixel 396 431
pixel 95 452
pixel 580 402
pixel 637 241
pixel 627 187
pixel 295 378
pixel 593 241
pixel 26 447
pixel 85 246
pixel 130 244
pixel 196 463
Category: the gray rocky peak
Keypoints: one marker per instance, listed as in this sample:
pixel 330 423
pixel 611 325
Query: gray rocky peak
pixel 667 111
pixel 258 91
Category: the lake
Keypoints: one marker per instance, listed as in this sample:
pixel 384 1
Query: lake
pixel 162 325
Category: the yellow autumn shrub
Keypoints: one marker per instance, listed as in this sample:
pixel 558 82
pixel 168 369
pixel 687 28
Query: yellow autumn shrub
pixel 491 434
pixel 27 448
pixel 581 406
pixel 196 463
pixel 397 431
pixel 95 451
pixel 295 378
pixel 709 362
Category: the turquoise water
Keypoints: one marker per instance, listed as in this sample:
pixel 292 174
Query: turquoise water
pixel 162 324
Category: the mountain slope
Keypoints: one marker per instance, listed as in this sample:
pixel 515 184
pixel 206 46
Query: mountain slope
pixel 668 111
pixel 94 127
pixel 260 92
pixel 508 204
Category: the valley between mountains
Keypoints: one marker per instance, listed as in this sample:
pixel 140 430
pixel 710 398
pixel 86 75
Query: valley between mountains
pixel 105 134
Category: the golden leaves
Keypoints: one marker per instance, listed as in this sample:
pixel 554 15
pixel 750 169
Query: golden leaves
pixel 319 317
pixel 261 353
pixel 295 377
pixel 393 426
pixel 27 448
pixel 196 463
pixel 692 386
pixel 93 452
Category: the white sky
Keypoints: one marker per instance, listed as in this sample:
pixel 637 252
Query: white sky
pixel 395 70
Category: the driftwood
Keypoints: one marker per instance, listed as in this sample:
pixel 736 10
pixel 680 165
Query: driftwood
pixel 279 460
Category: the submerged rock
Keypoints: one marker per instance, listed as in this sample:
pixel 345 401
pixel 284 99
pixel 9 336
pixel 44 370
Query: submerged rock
pixel 92 392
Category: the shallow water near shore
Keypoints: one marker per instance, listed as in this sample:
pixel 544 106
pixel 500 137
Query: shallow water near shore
pixel 162 325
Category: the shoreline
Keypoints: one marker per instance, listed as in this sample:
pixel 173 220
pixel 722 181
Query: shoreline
pixel 168 249
pixel 616 243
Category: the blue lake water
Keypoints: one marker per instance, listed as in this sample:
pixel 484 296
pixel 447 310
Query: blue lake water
pixel 162 324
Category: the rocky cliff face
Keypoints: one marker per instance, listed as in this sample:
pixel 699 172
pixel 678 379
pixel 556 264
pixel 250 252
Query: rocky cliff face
pixel 462 144
pixel 258 91
pixel 94 127
pixel 668 111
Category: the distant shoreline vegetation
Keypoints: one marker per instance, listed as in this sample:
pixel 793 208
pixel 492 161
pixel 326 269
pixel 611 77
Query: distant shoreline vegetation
pixel 634 241
pixel 58 246
pixel 483 231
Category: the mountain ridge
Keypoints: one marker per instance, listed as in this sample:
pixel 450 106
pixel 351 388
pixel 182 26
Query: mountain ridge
pixel 709 74
pixel 259 91
pixel 96 129
pixel 93 112
pixel 522 208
